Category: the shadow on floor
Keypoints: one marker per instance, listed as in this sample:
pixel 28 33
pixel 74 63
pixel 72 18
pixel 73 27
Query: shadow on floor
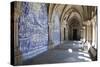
pixel 65 53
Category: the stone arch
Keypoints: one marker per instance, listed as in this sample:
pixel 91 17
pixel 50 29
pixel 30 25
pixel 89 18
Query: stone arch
pixel 66 21
pixel 68 9
pixel 55 14
pixel 74 31
pixel 55 28
pixel 75 24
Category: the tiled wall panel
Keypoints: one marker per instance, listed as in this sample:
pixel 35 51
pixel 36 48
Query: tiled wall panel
pixel 32 29
pixel 55 33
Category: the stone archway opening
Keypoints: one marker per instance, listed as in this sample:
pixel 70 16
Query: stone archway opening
pixel 74 30
pixel 75 37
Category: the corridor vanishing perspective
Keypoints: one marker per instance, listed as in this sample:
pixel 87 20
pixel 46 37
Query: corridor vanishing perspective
pixel 69 51
pixel 46 33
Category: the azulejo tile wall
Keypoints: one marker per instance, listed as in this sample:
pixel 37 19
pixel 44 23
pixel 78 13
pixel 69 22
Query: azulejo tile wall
pixel 55 29
pixel 33 29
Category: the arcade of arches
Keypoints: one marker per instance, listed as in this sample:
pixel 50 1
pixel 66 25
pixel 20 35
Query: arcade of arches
pixel 65 26
pixel 76 22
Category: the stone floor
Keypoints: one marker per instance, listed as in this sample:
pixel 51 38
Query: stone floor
pixel 70 51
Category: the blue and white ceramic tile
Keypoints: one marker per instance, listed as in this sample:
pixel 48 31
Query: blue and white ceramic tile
pixel 33 29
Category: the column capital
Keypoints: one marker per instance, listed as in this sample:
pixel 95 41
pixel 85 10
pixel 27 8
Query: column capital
pixel 87 23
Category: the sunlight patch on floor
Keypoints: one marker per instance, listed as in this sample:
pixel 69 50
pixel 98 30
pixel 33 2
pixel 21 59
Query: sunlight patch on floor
pixel 74 44
pixel 85 58
pixel 87 55
pixel 80 49
pixel 70 50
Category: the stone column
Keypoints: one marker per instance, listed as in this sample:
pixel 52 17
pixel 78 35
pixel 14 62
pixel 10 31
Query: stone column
pixel 94 32
pixel 86 36
pixel 89 38
pixel 66 33
pixel 88 31
pixel 62 33
pixel 17 53
pixel 50 45
pixel 84 33
pixel 81 36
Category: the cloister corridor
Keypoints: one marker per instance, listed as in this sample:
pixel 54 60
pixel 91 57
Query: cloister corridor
pixel 53 33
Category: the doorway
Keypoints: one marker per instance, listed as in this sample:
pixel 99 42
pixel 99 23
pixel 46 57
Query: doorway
pixel 74 34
